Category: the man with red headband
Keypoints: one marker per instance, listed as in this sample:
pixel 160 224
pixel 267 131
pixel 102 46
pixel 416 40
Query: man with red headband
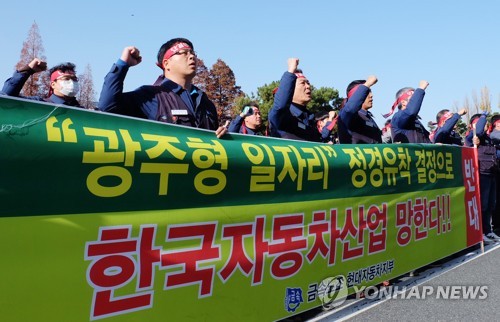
pixel 172 99
pixel 326 122
pixel 356 123
pixel 477 136
pixel 444 133
pixel 63 82
pixel 289 117
pixel 405 125
pixel 386 132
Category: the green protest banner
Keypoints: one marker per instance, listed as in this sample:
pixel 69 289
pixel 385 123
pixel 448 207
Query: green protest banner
pixel 116 219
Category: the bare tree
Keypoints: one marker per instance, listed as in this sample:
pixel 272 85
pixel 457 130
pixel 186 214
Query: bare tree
pixel 86 95
pixel 485 104
pixel 475 102
pixel 467 107
pixel 39 83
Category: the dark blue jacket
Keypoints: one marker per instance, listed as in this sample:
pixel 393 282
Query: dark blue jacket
pixel 480 133
pixel 495 140
pixel 167 102
pixel 289 120
pixel 328 134
pixel 355 124
pixel 486 152
pixel 406 126
pixel 446 134
pixel 14 85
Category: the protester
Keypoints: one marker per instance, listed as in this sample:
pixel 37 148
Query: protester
pixel 495 139
pixel 63 82
pixel 326 122
pixel 289 117
pixel 478 136
pixel 445 131
pixel 174 100
pixel 386 132
pixel 356 123
pixel 249 121
pixel 405 125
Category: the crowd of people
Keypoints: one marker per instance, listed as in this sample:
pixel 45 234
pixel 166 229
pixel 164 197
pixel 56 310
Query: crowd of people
pixel 173 98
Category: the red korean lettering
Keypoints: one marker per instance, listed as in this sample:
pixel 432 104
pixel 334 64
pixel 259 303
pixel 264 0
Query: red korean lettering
pixel 188 259
pixel 318 228
pixel 287 242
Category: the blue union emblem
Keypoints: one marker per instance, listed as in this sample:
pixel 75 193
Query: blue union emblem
pixel 293 298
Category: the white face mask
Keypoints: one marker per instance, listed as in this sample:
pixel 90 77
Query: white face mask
pixel 69 87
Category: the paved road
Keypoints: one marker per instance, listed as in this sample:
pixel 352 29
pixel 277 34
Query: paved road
pixel 471 268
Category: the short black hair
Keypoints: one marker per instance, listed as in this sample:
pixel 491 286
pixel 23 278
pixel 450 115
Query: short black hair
pixel 354 83
pixel 64 67
pixel 166 46
pixel 440 114
pixel 253 104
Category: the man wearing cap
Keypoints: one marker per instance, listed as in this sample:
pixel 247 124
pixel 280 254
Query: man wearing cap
pixel 63 82
pixel 445 133
pixel 356 123
pixel 248 121
pixel 326 122
pixel 174 99
pixel 406 125
pixel 289 117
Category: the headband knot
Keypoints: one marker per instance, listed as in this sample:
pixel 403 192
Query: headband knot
pixel 444 118
pixel 401 98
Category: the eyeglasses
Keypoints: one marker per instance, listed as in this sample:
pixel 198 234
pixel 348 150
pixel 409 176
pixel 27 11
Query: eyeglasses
pixel 185 52
pixel 68 77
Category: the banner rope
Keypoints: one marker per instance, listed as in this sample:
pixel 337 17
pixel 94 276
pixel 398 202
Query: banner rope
pixel 9 127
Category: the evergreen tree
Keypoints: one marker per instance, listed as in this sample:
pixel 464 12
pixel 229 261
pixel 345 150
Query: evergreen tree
pixel 324 99
pixel 266 98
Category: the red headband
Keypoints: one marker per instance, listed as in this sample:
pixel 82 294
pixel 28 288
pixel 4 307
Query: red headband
pixel 172 51
pixel 352 91
pixel 444 117
pixel 300 75
pixel 403 97
pixel 55 75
